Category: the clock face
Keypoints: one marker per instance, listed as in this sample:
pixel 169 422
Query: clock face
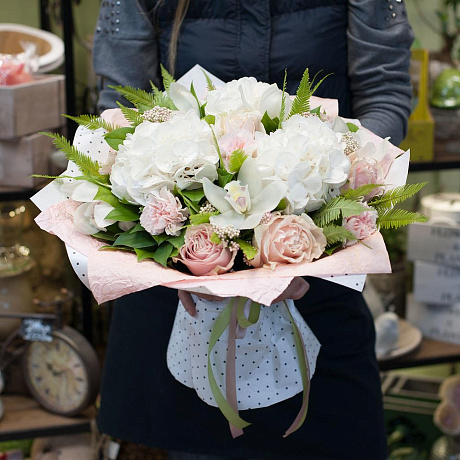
pixel 57 376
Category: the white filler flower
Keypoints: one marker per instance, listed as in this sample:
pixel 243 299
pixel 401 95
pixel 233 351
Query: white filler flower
pixel 308 156
pixel 178 152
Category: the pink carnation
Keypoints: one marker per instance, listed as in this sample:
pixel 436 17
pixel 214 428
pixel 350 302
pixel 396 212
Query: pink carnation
pixel 366 171
pixel 203 257
pixel 236 140
pixel 163 213
pixel 361 226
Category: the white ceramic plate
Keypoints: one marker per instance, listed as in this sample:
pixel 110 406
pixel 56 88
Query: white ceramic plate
pixel 410 338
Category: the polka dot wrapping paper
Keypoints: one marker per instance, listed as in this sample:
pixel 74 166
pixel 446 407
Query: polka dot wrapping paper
pixel 267 365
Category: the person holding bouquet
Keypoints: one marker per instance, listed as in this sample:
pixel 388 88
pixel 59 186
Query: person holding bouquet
pixel 365 45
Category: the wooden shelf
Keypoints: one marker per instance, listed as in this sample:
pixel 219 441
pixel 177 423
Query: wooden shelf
pixel 24 419
pixel 430 352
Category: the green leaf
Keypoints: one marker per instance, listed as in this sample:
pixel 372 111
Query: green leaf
pixel 270 124
pixel 397 195
pixel 135 240
pixel 202 218
pixel 161 98
pixel 236 160
pixel 282 205
pixel 163 253
pixel 335 208
pixel 301 103
pixel 138 97
pixel 337 234
pixel 364 190
pixel 210 119
pixel 177 241
pixel 216 146
pixel 195 195
pixel 283 101
pixel 104 236
pixel 395 218
pixel 142 254
pixel 352 127
pixel 116 248
pixel 122 212
pixel 224 177
pixel 248 249
pixel 316 111
pixel 215 238
pixel 133 116
pixel 84 162
pixel 137 228
pixel 167 78
pixel 209 84
pixel 200 107
pixel 91 122
pixel 116 138
pixel 333 248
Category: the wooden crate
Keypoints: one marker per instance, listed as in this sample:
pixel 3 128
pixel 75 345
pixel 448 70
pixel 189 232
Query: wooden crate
pixel 31 107
pixel 21 157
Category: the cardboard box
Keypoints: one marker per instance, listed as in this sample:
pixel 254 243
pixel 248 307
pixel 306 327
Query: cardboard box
pixel 438 284
pixel 19 158
pixel 32 107
pixel 434 243
pixel 438 322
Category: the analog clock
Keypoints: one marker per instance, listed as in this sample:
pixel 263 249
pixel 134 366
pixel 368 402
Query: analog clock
pixel 63 375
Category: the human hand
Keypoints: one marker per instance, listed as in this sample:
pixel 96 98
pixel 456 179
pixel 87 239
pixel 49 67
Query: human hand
pixel 187 301
pixel 295 291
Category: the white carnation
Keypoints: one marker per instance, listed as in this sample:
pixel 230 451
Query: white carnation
pixel 308 156
pixel 178 152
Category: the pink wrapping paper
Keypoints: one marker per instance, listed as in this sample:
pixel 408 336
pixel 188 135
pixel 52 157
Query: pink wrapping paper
pixel 113 274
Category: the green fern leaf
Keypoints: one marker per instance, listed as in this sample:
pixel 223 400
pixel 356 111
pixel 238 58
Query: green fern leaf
pixel 161 99
pixel 138 97
pixel 167 78
pixel 301 101
pixel 133 116
pixel 92 122
pixel 337 234
pixel 337 207
pixel 395 218
pixel 354 194
pixel 237 159
pixel 283 100
pixel 397 195
pixel 86 165
pixel 209 84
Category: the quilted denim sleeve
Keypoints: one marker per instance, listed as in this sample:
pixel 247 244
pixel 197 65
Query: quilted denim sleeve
pixel 125 49
pixel 379 41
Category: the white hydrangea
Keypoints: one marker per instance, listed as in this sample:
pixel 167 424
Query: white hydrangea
pixel 247 95
pixel 309 157
pixel 178 152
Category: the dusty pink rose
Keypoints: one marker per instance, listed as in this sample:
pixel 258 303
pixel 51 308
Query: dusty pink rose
pixel 115 117
pixel 287 240
pixel 163 213
pixel 361 226
pixel 366 171
pixel 201 256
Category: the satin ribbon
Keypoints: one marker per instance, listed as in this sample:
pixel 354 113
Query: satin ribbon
pixel 233 316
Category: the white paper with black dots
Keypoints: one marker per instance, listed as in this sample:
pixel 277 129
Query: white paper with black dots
pixel 267 365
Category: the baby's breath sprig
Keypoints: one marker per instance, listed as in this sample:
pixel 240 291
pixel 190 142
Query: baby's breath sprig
pixel 157 114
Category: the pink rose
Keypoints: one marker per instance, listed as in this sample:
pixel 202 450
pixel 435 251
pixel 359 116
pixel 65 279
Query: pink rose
pixel 201 256
pixel 287 240
pixel 115 117
pixel 366 171
pixel 361 226
pixel 163 213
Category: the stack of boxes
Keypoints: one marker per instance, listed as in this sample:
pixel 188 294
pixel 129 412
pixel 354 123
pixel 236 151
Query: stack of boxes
pixel 434 248
pixel 26 109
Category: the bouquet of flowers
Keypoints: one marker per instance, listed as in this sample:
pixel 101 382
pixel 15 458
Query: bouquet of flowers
pixel 225 193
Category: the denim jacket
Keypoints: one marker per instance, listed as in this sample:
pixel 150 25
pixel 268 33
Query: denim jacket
pixel 364 44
